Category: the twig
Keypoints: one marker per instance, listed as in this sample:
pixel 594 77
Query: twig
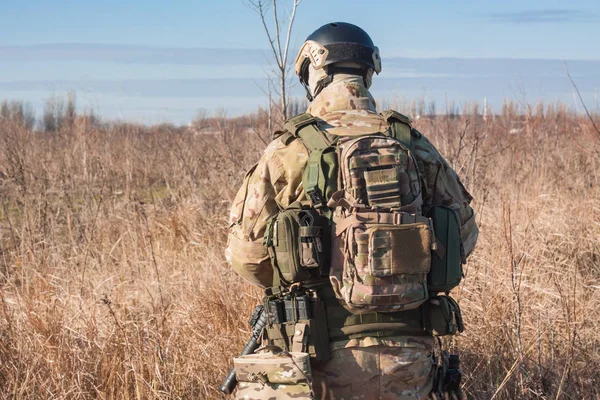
pixel 280 53
pixel 154 263
pixel 289 31
pixel 581 99
pixel 108 303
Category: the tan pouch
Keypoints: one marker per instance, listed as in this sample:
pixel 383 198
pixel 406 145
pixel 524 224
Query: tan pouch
pixel 310 335
pixel 399 249
pixel 272 375
pixel 386 266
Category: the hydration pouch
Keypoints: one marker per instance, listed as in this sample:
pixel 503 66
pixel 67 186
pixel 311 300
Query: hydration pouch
pixel 274 375
pixel 443 316
pixel 446 260
pixel 296 243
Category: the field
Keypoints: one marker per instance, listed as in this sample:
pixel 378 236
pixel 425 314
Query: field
pixel 113 282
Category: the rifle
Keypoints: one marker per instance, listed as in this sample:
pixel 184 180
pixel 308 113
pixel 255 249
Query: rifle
pixel 449 376
pixel 451 384
pixel 257 322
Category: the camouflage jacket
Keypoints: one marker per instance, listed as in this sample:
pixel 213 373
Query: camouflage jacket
pixel 345 107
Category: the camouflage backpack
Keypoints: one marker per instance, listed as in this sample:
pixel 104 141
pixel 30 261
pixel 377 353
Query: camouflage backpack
pixel 384 254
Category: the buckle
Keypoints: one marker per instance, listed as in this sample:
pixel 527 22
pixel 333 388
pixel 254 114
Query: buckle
pixel 316 198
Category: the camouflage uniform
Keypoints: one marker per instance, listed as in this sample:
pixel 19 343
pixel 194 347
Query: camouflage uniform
pixel 368 368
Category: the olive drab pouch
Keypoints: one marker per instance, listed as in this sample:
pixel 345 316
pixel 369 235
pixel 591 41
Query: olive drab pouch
pixel 297 243
pixel 298 323
pixel 443 316
pixel 446 261
pixel 312 246
pixel 274 375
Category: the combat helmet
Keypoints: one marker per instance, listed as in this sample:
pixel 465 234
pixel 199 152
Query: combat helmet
pixel 335 43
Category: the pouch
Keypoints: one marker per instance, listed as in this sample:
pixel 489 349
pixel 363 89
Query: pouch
pixel 274 375
pixel 387 266
pixel 443 316
pixel 311 241
pixel 446 260
pixel 297 334
pixel 296 243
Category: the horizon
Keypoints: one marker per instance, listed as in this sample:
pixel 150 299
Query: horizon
pixel 265 49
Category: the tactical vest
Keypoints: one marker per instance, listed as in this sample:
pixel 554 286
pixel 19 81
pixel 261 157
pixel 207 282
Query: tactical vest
pixel 362 230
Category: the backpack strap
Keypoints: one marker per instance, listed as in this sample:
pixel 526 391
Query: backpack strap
pixel 286 137
pixel 400 127
pixel 304 126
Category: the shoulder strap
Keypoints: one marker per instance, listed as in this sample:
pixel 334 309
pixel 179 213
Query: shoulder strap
pixel 400 127
pixel 305 127
pixel 285 136
pixel 295 123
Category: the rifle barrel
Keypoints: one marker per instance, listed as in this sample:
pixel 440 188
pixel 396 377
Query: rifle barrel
pixel 231 381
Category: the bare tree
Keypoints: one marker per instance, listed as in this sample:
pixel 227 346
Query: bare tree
pixel 19 112
pixel 279 44
pixel 71 109
pixel 54 114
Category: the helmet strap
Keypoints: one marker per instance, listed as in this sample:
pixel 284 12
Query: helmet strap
pixel 309 95
pixel 323 83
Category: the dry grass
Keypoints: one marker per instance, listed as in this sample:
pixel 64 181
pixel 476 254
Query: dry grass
pixel 113 282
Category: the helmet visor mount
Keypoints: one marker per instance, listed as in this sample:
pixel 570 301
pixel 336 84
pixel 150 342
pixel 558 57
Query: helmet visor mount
pixel 376 60
pixel 311 53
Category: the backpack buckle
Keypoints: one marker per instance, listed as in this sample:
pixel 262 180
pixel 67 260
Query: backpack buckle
pixel 316 198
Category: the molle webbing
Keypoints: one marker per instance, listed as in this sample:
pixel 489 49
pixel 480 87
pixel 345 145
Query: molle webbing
pixel 374 217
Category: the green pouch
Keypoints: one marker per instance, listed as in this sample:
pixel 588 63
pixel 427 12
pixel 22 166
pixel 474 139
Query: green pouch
pixel 446 260
pixel 443 316
pixel 296 243
pixel 282 242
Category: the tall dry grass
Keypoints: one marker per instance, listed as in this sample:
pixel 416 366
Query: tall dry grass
pixel 113 282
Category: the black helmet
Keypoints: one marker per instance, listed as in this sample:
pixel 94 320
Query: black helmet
pixel 334 43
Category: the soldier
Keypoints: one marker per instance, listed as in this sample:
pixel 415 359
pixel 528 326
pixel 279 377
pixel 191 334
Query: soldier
pixel 376 350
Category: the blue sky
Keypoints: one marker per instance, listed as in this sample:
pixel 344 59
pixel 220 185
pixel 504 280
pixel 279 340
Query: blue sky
pixel 144 59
